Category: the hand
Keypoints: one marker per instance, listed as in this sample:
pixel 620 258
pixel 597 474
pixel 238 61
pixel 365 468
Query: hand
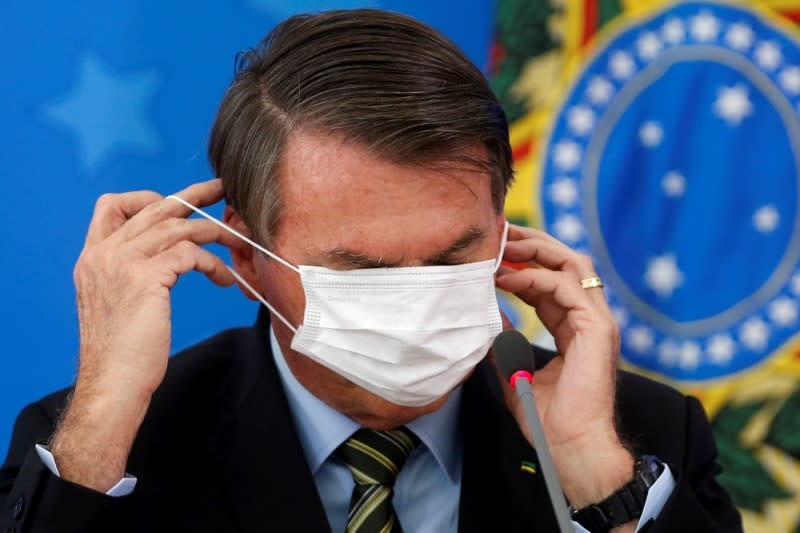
pixel 137 246
pixel 575 391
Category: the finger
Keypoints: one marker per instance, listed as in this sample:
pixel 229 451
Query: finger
pixel 503 270
pixel 517 232
pixel 554 318
pixel 186 256
pixel 537 236
pixel 570 281
pixel 564 308
pixel 554 256
pixel 597 345
pixel 199 194
pixel 112 211
pixel 169 232
pixel 540 249
pixel 529 284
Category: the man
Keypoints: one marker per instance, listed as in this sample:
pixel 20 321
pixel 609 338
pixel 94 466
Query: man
pixel 364 161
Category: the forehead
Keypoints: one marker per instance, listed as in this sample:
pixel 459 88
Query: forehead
pixel 336 193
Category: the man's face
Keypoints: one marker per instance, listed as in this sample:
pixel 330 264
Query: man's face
pixel 344 208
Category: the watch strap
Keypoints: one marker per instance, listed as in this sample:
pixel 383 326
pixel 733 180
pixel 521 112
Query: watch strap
pixel 625 504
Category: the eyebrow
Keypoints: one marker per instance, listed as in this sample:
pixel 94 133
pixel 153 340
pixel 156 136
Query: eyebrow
pixel 361 260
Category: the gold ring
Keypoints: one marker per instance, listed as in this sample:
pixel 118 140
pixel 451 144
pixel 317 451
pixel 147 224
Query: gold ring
pixel 591 283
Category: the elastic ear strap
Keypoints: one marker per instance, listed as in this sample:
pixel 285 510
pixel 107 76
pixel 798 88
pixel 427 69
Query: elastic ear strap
pixel 234 232
pixel 503 242
pixel 260 298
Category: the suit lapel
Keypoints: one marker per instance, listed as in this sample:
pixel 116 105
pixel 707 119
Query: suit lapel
pixel 264 473
pixel 497 494
pixel 262 466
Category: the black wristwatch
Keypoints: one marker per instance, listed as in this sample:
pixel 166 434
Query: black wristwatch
pixel 625 504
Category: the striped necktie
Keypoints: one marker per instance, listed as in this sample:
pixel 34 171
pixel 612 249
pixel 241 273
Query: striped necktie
pixel 375 458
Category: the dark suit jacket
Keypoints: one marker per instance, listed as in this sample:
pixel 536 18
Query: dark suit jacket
pixel 218 451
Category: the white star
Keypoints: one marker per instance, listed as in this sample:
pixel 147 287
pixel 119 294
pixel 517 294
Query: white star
pixel 108 112
pixel 768 55
pixel 690 355
pixel 564 192
pixel 704 27
pixel 766 219
pixel 783 312
pixel 740 37
pixel 648 46
pixel 651 133
pixel 600 90
pixel 754 334
pixel 721 349
pixel 796 284
pixel 567 155
pixel 790 80
pixel 674 184
pixel 663 275
pixel 580 119
pixel 621 65
pixel 620 316
pixel 640 338
pixel 568 228
pixel 668 353
pixel 733 104
pixel 673 31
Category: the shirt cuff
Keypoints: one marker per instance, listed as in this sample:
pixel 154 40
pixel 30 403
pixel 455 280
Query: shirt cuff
pixel 123 487
pixel 657 496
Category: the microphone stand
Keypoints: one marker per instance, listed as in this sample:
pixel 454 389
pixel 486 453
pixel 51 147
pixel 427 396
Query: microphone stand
pixel 522 385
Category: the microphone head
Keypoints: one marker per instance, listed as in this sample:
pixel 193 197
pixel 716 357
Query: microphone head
pixel 512 353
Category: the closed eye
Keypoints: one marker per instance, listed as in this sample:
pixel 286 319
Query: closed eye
pixel 452 255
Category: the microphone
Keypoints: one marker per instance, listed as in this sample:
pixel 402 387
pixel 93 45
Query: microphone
pixel 514 357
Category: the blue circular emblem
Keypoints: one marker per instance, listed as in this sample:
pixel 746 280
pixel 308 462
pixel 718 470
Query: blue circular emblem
pixel 675 163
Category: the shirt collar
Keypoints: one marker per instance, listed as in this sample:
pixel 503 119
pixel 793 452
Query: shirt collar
pixel 322 429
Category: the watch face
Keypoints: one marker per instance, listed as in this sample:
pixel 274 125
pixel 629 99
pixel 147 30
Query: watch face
pixel 649 469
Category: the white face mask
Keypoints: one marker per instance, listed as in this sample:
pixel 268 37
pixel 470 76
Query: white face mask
pixel 407 334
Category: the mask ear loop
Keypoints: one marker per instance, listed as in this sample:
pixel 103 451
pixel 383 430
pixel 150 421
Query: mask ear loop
pixel 234 232
pixel 503 242
pixel 255 245
pixel 260 298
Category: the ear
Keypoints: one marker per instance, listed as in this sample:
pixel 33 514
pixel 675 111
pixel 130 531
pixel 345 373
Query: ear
pixel 243 257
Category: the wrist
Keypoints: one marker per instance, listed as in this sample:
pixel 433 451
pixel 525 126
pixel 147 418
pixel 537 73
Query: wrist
pixel 621 510
pixel 592 472
pixel 93 439
pixel 113 392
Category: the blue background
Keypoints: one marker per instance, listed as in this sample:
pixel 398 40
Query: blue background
pixel 639 216
pixel 110 97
